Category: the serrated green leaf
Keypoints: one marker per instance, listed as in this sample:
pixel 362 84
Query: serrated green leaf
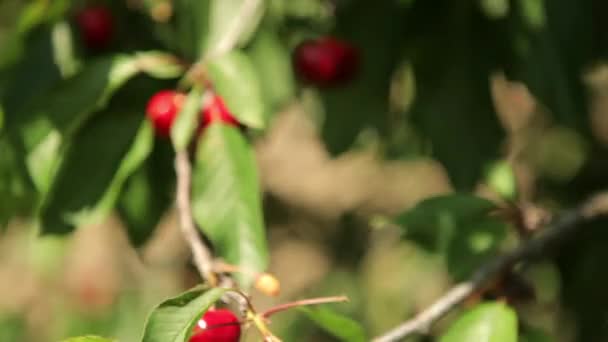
pixel 487 322
pixel 173 320
pixel 187 120
pixel 458 227
pixel 339 326
pixel 89 339
pixel 272 62
pixel 96 163
pixel 234 78
pixel 228 16
pixel 226 199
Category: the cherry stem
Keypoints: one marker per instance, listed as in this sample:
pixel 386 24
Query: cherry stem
pixel 303 302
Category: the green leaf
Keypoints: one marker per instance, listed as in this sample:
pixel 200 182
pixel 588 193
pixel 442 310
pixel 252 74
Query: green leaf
pixel 341 327
pixel 535 335
pixel 173 320
pixel 457 226
pixel 553 48
pixel 16 191
pixel 227 16
pixel 159 64
pixel 12 327
pixel 34 74
pixel 192 26
pixel 488 322
pixel 44 125
pixel 272 62
pixel 147 194
pixel 89 339
pixel 67 106
pixel 453 107
pixel 363 103
pixel 187 120
pixel 226 199
pixel 96 164
pixel 235 79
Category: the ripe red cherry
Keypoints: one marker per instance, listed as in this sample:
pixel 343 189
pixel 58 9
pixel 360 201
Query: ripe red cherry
pixel 215 110
pixel 162 109
pixel 326 61
pixel 219 325
pixel 96 26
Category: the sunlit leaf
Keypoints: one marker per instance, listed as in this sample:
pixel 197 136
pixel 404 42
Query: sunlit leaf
pixel 458 227
pixel 173 320
pixel 487 322
pixel 235 79
pixel 272 62
pixel 339 326
pixel 187 120
pixel 226 199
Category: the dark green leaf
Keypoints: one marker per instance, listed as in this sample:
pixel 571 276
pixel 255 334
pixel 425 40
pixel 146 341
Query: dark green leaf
pixel 459 227
pixel 341 327
pixel 226 199
pixel 535 335
pixel 147 194
pixel 173 320
pixel 187 120
pixel 553 47
pixel 96 164
pixel 488 322
pixel 272 62
pixel 453 108
pixel 12 328
pixel 16 191
pixel 228 16
pixel 44 125
pixel 235 79
pixel 192 26
pixel 363 103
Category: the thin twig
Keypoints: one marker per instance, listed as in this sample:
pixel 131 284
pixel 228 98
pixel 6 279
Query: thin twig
pixel 203 259
pixel 534 248
pixel 303 302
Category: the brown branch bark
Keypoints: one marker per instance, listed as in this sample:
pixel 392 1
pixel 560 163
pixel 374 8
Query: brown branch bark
pixel 557 230
pixel 203 259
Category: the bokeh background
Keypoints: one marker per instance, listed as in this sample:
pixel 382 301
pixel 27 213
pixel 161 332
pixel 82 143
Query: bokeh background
pixel 334 169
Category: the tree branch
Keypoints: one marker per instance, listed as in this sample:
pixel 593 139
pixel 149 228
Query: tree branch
pixel 203 259
pixel 534 248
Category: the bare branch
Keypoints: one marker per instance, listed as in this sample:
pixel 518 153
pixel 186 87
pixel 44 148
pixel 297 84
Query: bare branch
pixel 534 248
pixel 203 259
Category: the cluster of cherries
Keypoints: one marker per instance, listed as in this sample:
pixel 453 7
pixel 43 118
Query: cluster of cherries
pixel 323 62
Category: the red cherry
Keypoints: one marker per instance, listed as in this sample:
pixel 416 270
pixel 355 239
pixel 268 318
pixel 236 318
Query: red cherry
pixel 215 109
pixel 162 109
pixel 219 325
pixel 96 26
pixel 326 61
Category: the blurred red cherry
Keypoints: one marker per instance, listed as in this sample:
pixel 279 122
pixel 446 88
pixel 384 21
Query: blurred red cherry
pixel 162 109
pixel 215 110
pixel 326 61
pixel 96 26
pixel 217 325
